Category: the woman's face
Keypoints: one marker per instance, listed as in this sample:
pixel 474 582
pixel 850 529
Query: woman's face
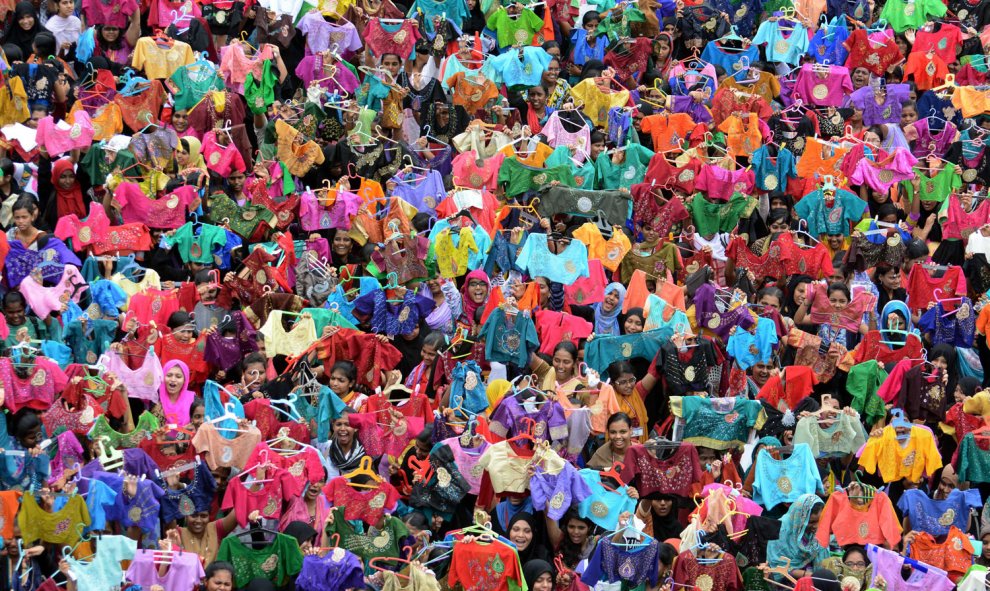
pixel 254 375
pixel 663 506
pixel 543 583
pixel 661 49
pixel 477 291
pixel 891 280
pixel 181 157
pixel 428 354
pixel 838 300
pixel 801 293
pixel 65 7
pixel 521 535
pixel 872 138
pixel 518 290
pixel 340 383
pixel 563 365
pixel 770 301
pixel 111 34
pixel 197 522
pixel 342 244
pixel 537 98
pixel 544 291
pixel 236 181
pixel 314 490
pixel 611 301
pixel 860 77
pixel 343 432
pixel 895 322
pixel 813 520
pixel 197 417
pixel 855 561
pixel 66 179
pixel 577 531
pixel 222 580
pixel 180 120
pixel 941 363
pixel 442 114
pixel 392 65
pixel 551 74
pixel 908 115
pixel 633 325
pixel 26 22
pixel 619 433
pixel 24 220
pixel 174 380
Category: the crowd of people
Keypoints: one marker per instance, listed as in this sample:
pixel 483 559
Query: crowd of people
pixel 636 295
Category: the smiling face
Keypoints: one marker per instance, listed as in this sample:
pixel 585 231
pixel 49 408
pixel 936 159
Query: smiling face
pixel 611 301
pixel 521 535
pixel 620 432
pixel 477 291
pixel 563 365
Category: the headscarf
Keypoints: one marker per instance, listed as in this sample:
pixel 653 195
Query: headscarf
pixel 177 412
pixel 638 313
pixel 794 542
pixel 536 548
pixel 668 526
pixel 534 569
pixel 345 462
pixel 825 580
pixel 607 323
pixel 302 532
pixel 467 304
pixel 505 512
pixel 947 352
pixel 195 149
pixel 24 40
pixel 791 306
pixel 68 201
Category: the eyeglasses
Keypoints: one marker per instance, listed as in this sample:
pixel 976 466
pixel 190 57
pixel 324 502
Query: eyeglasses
pixel 626 382
pixel 553 70
pixel 859 564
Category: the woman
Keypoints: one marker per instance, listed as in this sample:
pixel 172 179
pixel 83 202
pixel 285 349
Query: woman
pixel 29 469
pixel 523 533
pixel 311 509
pixel 23 27
pixel 661 59
pixel 342 249
pixel 64 196
pixel 619 431
pixel 634 321
pixel 474 295
pixel 202 536
pixel 189 163
pixel 889 284
pixel 606 313
pixel 630 394
pixel 795 295
pixel 116 44
pixel 797 541
pixel 344 450
pixel 538 575
pixel 557 89
pixel 562 374
pixel 534 111
pixel 173 397
pixel 572 540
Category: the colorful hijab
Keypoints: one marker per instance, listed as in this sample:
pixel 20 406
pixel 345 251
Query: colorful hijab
pixel 795 542
pixel 176 413
pixel 467 305
pixel 607 323
pixel 195 149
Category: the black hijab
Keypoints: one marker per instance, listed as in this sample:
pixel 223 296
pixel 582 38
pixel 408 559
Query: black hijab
pixel 18 36
pixel 669 526
pixel 790 306
pixel 534 569
pixel 537 549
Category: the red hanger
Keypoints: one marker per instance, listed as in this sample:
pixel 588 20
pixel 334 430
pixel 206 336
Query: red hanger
pixel 614 475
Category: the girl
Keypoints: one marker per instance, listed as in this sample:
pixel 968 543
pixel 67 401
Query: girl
pixel 23 28
pixel 634 321
pixel 538 575
pixel 60 189
pixel 474 295
pixel 219 577
pixel 343 377
pixel 839 299
pixel 116 44
pixel 523 533
pixel 619 430
pixel 606 313
pixel 422 375
pixel 630 395
pixel 30 469
pixel 174 399
pixel 573 539
pixel 189 163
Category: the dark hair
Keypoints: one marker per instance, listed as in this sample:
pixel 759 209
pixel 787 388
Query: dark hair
pixel 771 291
pixel 435 340
pixel 617 368
pixel 7 168
pixel 916 249
pixel 590 16
pixel 597 137
pixel 570 552
pixel 23 422
pixel 179 318
pixel 619 416
pixel 215 567
pixel 203 275
pixel 25 202
pixel 44 45
pixel 568 347
pixel 839 287
pixel 253 358
pixel 667 553
pixel 887 209
pixel 548 45
pixel 855 548
pixel 197 401
pixel 417 520
pixel 14 297
pixel 347 368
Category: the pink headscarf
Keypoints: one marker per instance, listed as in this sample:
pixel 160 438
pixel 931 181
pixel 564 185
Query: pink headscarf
pixel 176 413
pixel 469 306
